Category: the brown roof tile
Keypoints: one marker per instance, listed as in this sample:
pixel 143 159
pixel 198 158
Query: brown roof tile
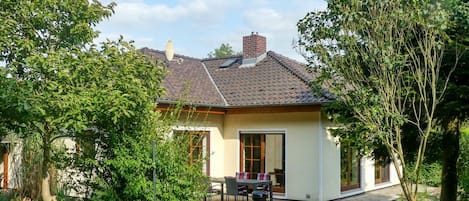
pixel 187 79
pixel 276 80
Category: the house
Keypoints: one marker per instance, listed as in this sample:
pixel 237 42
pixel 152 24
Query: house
pixel 261 116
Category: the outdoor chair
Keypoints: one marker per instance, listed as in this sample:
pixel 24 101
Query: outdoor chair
pixel 213 190
pixel 242 175
pixel 279 177
pixel 263 177
pixel 232 189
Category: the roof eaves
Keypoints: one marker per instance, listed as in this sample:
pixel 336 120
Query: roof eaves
pixel 278 105
pixel 173 102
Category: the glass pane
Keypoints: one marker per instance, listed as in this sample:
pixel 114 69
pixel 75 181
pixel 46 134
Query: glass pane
pixel 257 140
pixel 355 171
pixel 257 153
pixel 377 172
pixel 247 140
pixel 247 153
pixel 196 154
pixel 349 168
pixel 256 167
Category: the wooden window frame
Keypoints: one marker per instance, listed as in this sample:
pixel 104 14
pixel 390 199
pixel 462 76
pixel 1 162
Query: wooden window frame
pixel 191 147
pixel 349 173
pixel 384 172
pixel 262 156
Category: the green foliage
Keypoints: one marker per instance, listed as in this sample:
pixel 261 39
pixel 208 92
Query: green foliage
pixel 225 50
pixel 9 196
pixel 125 170
pixel 58 84
pixel 430 173
pixel 381 59
pixel 464 164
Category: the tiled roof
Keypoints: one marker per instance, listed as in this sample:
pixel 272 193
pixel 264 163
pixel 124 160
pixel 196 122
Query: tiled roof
pixel 187 79
pixel 274 81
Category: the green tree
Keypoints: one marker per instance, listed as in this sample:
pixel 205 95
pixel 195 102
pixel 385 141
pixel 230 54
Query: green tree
pixel 383 60
pixel 452 113
pixel 454 107
pixel 65 85
pixel 225 50
pixel 41 44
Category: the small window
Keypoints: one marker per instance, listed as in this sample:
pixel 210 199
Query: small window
pixel 198 148
pixel 381 170
pixel 228 63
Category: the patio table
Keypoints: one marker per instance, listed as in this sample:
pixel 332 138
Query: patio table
pixel 255 182
pixel 249 182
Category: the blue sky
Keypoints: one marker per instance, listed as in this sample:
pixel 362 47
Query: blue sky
pixel 196 27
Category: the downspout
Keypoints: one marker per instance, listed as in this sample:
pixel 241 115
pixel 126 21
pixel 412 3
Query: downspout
pixel 321 160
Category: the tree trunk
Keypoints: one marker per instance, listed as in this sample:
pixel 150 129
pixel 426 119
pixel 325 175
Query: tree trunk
pixel 450 155
pixel 45 185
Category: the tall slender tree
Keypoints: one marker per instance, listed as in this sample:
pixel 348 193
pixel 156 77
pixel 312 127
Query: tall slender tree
pixel 379 57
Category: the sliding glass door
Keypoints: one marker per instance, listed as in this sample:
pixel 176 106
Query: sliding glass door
pixel 264 153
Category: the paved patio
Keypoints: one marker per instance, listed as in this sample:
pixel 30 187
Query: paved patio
pixel 386 194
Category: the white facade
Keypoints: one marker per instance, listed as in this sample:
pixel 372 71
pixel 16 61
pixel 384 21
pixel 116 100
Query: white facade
pixel 312 155
pixel 312 161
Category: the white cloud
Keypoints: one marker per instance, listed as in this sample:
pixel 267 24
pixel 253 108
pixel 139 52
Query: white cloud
pixel 139 13
pixel 198 26
pixel 138 41
pixel 266 19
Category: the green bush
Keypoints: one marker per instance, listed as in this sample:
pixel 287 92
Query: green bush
pixel 464 164
pixel 124 169
pixel 430 173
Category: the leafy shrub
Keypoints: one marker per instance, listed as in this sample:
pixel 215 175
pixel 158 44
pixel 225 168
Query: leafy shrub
pixel 464 164
pixel 430 173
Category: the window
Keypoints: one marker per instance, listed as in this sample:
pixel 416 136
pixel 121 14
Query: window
pixel 264 153
pixel 198 147
pixel 349 168
pixel 381 171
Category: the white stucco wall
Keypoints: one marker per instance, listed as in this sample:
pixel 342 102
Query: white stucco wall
pixel 331 164
pixel 301 143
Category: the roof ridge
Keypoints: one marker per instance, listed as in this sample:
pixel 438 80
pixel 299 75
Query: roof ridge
pixel 216 58
pixel 163 52
pixel 215 84
pixel 295 72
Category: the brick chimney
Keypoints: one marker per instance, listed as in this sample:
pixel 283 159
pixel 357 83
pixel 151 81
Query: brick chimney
pixel 254 49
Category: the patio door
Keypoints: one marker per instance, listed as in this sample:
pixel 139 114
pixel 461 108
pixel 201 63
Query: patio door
pixel 264 152
pixel 253 154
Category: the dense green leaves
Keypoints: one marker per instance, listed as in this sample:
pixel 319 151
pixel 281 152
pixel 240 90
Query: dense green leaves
pixel 56 83
pixel 225 50
pixel 382 60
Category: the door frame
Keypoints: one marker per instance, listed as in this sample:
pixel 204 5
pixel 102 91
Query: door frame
pixel 283 132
